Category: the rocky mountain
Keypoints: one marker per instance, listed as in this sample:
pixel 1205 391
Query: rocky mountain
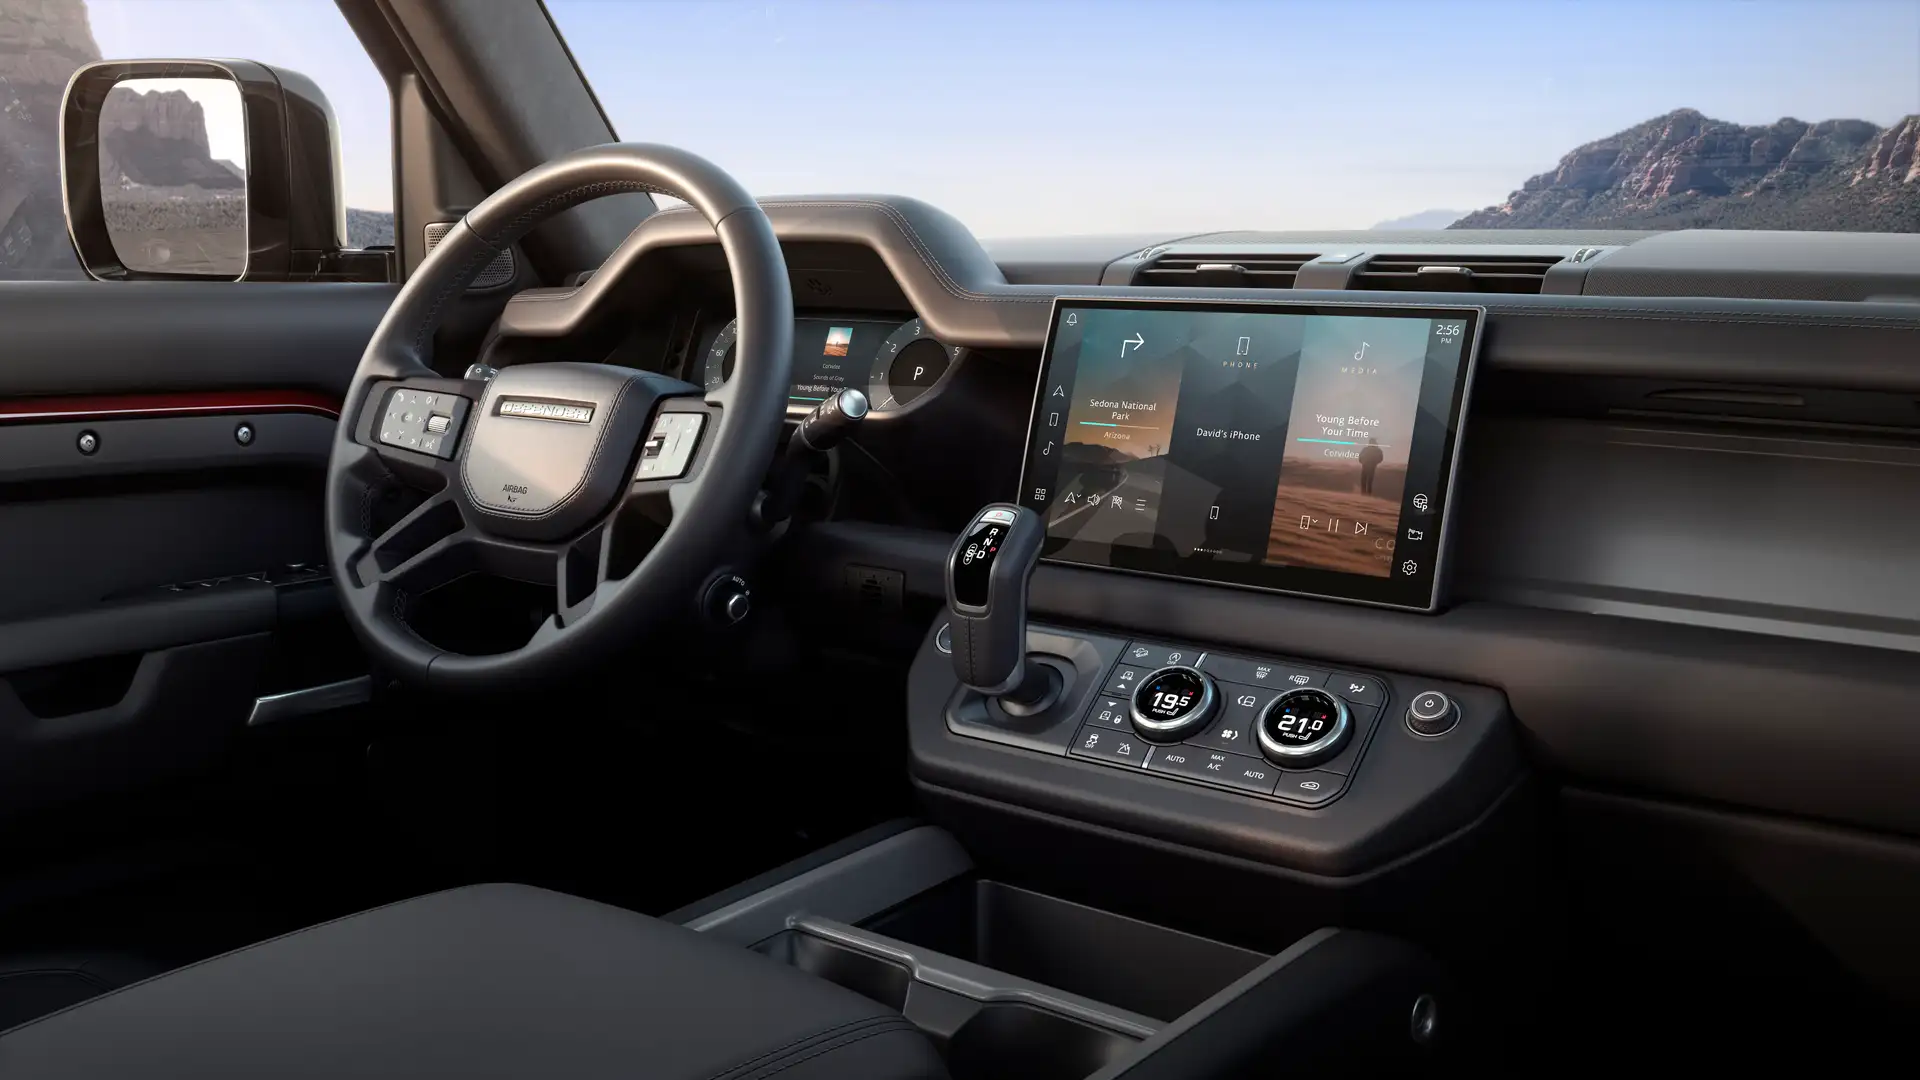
pixel 41 43
pixel 159 139
pixel 1425 219
pixel 1686 170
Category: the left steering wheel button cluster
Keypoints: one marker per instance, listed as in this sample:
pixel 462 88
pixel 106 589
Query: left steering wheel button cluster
pixel 425 421
pixel 668 449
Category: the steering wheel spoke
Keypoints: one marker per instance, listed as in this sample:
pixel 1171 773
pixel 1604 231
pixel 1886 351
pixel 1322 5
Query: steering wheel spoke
pixel 580 572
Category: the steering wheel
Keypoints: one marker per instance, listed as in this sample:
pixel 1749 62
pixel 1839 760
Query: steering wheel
pixel 531 475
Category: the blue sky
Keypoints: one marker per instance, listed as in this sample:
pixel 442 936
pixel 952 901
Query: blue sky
pixel 1060 116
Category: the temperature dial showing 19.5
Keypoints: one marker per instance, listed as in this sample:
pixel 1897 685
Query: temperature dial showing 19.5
pixel 1172 703
pixel 1303 727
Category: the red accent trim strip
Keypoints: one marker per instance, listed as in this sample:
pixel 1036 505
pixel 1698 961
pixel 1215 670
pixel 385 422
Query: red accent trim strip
pixel 42 410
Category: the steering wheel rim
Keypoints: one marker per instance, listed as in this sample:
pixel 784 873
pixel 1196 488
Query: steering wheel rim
pixel 376 571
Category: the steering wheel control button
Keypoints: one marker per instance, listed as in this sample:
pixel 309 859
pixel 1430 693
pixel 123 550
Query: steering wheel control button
pixel 1358 689
pixel 1432 713
pixel 1124 681
pixel 1119 747
pixel 1311 788
pixel 1303 727
pixel 1143 654
pixel 1173 702
pixel 1109 712
pixel 668 450
pixel 428 423
pixel 1235 669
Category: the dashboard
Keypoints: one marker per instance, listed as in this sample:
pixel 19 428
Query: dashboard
pixel 1676 470
pixel 1675 575
pixel 895 362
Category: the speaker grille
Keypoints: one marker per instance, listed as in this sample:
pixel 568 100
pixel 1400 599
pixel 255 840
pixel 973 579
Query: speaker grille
pixel 497 273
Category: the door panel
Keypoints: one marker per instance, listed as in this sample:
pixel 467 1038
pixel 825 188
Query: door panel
pixel 66 338
pixel 161 566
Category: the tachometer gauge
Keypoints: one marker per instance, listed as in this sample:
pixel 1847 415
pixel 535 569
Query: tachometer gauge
pixel 720 355
pixel 908 365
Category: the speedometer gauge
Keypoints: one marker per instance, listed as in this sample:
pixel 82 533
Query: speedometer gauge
pixel 719 367
pixel 908 365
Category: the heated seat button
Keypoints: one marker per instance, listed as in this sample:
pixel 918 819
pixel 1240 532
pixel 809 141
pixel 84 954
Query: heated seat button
pixel 1238 669
pixel 1109 712
pixel 1125 679
pixel 1232 770
pixel 1312 788
pixel 1147 656
pixel 1119 747
pixel 1358 689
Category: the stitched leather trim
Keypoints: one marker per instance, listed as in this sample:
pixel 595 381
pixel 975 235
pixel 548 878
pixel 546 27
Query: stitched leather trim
pixel 811 1046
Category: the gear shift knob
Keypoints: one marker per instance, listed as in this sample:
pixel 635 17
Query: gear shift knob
pixel 987 573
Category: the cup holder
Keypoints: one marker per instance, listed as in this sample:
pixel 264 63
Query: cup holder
pixel 868 976
pixel 1007 1040
pixel 994 1040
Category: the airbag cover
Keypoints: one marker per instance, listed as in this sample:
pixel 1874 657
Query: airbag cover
pixel 551 446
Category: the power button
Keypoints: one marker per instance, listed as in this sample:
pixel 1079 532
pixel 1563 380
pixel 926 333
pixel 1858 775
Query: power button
pixel 1431 713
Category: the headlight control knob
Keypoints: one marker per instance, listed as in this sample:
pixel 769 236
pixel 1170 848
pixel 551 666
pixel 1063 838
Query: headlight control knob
pixel 1173 703
pixel 1432 713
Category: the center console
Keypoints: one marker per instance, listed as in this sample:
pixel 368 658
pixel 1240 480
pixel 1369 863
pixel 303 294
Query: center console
pixel 1222 788
pixel 1299 448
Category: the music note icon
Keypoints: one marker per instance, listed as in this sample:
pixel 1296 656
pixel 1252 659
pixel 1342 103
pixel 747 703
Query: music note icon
pixel 1362 354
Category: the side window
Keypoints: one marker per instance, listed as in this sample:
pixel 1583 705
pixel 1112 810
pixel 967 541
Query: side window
pixel 42 43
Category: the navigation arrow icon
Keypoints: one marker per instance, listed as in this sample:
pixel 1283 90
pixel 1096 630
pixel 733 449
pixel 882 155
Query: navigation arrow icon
pixel 1133 342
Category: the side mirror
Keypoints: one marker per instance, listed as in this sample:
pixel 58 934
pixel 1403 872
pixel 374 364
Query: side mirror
pixel 204 170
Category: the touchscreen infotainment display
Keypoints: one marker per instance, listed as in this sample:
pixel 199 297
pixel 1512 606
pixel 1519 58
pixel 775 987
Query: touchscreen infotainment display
pixel 1303 448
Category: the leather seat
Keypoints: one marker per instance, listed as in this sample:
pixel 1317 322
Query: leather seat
pixel 37 984
pixel 488 981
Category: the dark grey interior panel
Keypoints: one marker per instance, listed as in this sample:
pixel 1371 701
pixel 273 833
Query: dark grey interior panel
pixel 180 711
pixel 90 337
pixel 1799 727
pixel 1806 535
pixel 1847 894
pixel 966 299
pixel 42 452
pixel 75 551
pixel 1770 265
pixel 145 624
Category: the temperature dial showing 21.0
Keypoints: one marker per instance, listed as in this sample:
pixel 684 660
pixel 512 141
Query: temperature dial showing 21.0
pixel 1303 727
pixel 1172 703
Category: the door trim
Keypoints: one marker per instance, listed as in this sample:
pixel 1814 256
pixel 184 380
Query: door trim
pixel 199 403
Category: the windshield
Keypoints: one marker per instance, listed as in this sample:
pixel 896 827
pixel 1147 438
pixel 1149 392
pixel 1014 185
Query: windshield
pixel 1050 117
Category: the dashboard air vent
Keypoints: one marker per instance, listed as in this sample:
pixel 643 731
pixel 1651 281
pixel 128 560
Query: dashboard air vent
pixel 1454 273
pixel 1243 270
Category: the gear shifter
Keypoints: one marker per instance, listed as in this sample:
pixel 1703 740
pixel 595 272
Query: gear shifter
pixel 987 573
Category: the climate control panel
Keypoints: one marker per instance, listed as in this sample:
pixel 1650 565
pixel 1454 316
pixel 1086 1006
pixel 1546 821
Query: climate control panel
pixel 1264 726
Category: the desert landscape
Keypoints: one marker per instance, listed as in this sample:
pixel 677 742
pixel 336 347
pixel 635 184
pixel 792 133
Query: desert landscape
pixel 1326 493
